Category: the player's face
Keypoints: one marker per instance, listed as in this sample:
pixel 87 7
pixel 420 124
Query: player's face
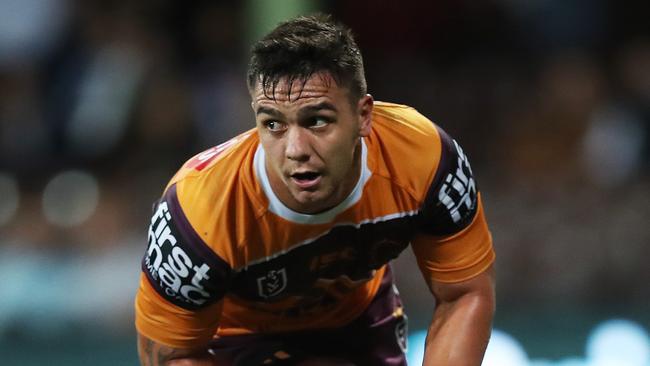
pixel 312 140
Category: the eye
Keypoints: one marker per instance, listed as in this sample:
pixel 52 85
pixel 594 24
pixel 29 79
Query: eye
pixel 319 122
pixel 274 126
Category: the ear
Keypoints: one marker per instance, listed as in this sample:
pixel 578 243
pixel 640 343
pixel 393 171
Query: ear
pixel 364 109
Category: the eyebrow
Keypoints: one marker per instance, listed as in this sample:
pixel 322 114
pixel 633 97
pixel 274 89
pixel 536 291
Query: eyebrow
pixel 320 106
pixel 303 111
pixel 269 111
pixel 307 110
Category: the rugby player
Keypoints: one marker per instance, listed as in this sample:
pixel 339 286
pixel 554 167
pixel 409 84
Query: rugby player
pixel 273 248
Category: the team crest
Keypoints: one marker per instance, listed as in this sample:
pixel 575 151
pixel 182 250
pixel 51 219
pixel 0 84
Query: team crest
pixel 272 284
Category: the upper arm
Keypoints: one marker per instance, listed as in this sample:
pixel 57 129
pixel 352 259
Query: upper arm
pixel 178 303
pixel 481 285
pixel 454 243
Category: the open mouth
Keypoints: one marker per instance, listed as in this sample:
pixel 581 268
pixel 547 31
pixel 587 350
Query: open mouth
pixel 307 176
pixel 306 179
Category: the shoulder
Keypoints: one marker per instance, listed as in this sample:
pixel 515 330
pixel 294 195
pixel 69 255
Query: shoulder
pixel 213 189
pixel 404 146
pixel 403 120
pixel 405 131
pixel 215 172
pixel 420 157
pixel 218 159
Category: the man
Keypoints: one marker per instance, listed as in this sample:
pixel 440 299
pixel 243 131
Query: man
pixel 272 248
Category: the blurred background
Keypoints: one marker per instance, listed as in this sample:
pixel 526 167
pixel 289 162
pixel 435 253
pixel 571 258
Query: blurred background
pixel 101 101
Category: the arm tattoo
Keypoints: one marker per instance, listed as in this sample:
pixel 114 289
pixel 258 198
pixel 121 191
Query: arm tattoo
pixel 154 354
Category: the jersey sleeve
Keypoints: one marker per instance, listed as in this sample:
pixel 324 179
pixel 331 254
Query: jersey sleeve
pixel 454 243
pixel 182 283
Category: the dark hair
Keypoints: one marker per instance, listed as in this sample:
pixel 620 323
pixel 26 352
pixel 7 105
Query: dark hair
pixel 300 47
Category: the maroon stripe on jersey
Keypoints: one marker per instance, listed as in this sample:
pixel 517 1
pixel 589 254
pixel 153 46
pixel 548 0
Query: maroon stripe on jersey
pixel 358 251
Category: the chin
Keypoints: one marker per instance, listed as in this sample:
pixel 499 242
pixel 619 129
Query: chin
pixel 308 198
pixel 312 202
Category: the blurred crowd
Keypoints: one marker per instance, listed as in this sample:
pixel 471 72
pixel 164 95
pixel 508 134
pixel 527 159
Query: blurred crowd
pixel 101 101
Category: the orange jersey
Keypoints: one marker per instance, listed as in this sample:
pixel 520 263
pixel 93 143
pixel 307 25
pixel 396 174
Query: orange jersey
pixel 227 257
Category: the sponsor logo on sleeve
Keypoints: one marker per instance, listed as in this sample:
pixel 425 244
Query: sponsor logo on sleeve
pixel 458 192
pixel 175 269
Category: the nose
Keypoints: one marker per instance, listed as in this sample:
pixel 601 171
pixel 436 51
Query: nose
pixel 298 147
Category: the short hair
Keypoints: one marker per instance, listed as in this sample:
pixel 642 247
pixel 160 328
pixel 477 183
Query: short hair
pixel 298 48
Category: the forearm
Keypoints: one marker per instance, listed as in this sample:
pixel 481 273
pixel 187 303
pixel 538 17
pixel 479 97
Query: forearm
pixel 152 353
pixel 459 331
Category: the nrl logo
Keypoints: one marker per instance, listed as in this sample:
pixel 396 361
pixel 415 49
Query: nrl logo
pixel 272 284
